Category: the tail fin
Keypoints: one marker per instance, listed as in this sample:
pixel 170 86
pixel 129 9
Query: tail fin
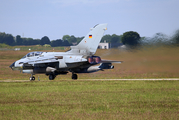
pixel 89 44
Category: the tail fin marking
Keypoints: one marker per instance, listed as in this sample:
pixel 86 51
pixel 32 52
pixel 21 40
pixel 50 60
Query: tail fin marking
pixel 89 44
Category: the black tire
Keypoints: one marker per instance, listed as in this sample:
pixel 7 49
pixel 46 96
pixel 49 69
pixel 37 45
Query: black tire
pixel 32 78
pixel 51 77
pixel 74 76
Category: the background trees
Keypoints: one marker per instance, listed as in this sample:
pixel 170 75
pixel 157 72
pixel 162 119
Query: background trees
pixel 131 38
pixel 176 37
pixel 59 42
pixel 111 38
pixel 19 40
pixel 72 39
pixel 45 40
pixel 115 39
pixel 7 39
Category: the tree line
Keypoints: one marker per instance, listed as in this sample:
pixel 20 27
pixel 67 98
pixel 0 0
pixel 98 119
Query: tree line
pixel 131 38
pixel 66 40
pixel 18 41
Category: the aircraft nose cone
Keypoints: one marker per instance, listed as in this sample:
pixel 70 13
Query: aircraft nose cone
pixel 12 66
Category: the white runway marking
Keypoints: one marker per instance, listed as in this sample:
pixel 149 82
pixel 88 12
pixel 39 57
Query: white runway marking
pixel 136 79
pixel 158 79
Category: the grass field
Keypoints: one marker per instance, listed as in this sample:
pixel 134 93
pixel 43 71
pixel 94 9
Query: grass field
pixel 84 99
pixel 66 99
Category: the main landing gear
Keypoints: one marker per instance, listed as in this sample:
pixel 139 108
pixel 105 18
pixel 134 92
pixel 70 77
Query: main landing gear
pixel 51 77
pixel 74 76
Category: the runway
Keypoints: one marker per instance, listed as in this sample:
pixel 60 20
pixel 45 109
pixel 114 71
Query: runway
pixel 154 79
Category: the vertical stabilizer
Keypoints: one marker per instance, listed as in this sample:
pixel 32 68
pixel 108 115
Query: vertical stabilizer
pixel 89 44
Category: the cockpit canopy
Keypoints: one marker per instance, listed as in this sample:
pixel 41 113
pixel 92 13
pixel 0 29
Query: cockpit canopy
pixel 32 54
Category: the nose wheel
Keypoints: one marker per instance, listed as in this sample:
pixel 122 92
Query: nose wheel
pixel 32 78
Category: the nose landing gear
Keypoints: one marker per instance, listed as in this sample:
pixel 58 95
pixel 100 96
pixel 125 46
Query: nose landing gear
pixel 32 78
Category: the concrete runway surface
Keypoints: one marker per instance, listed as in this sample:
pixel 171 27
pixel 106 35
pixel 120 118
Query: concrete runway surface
pixel 159 79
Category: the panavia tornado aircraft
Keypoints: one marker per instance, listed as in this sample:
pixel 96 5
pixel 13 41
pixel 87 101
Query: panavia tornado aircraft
pixel 80 59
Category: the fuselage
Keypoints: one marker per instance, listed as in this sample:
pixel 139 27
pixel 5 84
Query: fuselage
pixel 64 59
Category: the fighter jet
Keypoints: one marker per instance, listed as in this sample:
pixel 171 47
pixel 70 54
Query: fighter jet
pixel 80 59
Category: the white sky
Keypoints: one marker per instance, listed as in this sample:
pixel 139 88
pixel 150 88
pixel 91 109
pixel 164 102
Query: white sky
pixel 55 18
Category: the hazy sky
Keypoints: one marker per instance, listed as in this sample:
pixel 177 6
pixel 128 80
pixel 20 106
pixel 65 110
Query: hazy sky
pixel 55 18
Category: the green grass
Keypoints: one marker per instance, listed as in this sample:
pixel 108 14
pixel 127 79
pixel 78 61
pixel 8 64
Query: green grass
pixel 3 45
pixel 68 99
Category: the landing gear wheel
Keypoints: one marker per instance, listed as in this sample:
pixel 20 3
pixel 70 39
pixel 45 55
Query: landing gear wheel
pixel 51 77
pixel 74 76
pixel 32 78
